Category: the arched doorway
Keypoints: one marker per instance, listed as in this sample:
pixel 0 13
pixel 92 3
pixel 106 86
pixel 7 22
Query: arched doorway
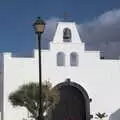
pixel 73 104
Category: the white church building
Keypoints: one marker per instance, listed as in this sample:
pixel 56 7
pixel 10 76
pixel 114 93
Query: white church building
pixel 66 59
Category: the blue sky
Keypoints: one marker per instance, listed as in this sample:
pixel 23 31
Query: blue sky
pixel 17 17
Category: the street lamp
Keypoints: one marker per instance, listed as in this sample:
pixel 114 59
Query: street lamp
pixel 39 26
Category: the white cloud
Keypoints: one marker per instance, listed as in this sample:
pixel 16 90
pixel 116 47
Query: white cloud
pixel 103 33
pixel 108 18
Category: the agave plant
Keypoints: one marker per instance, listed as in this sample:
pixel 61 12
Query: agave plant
pixel 100 116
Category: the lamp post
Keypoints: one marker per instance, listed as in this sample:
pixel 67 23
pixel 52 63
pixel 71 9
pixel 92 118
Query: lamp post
pixel 39 26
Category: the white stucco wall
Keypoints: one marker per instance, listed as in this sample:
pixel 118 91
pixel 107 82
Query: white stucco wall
pixel 17 71
pixel 100 78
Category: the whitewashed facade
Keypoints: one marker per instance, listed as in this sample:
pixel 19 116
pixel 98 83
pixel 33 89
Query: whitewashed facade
pixel 99 77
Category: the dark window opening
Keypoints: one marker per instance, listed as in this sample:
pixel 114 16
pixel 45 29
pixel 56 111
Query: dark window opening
pixel 60 59
pixel 74 59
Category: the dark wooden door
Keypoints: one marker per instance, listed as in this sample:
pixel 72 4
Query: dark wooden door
pixel 71 105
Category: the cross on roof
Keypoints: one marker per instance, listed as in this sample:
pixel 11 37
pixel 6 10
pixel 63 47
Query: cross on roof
pixel 66 16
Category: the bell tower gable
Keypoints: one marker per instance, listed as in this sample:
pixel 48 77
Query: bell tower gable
pixel 66 32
